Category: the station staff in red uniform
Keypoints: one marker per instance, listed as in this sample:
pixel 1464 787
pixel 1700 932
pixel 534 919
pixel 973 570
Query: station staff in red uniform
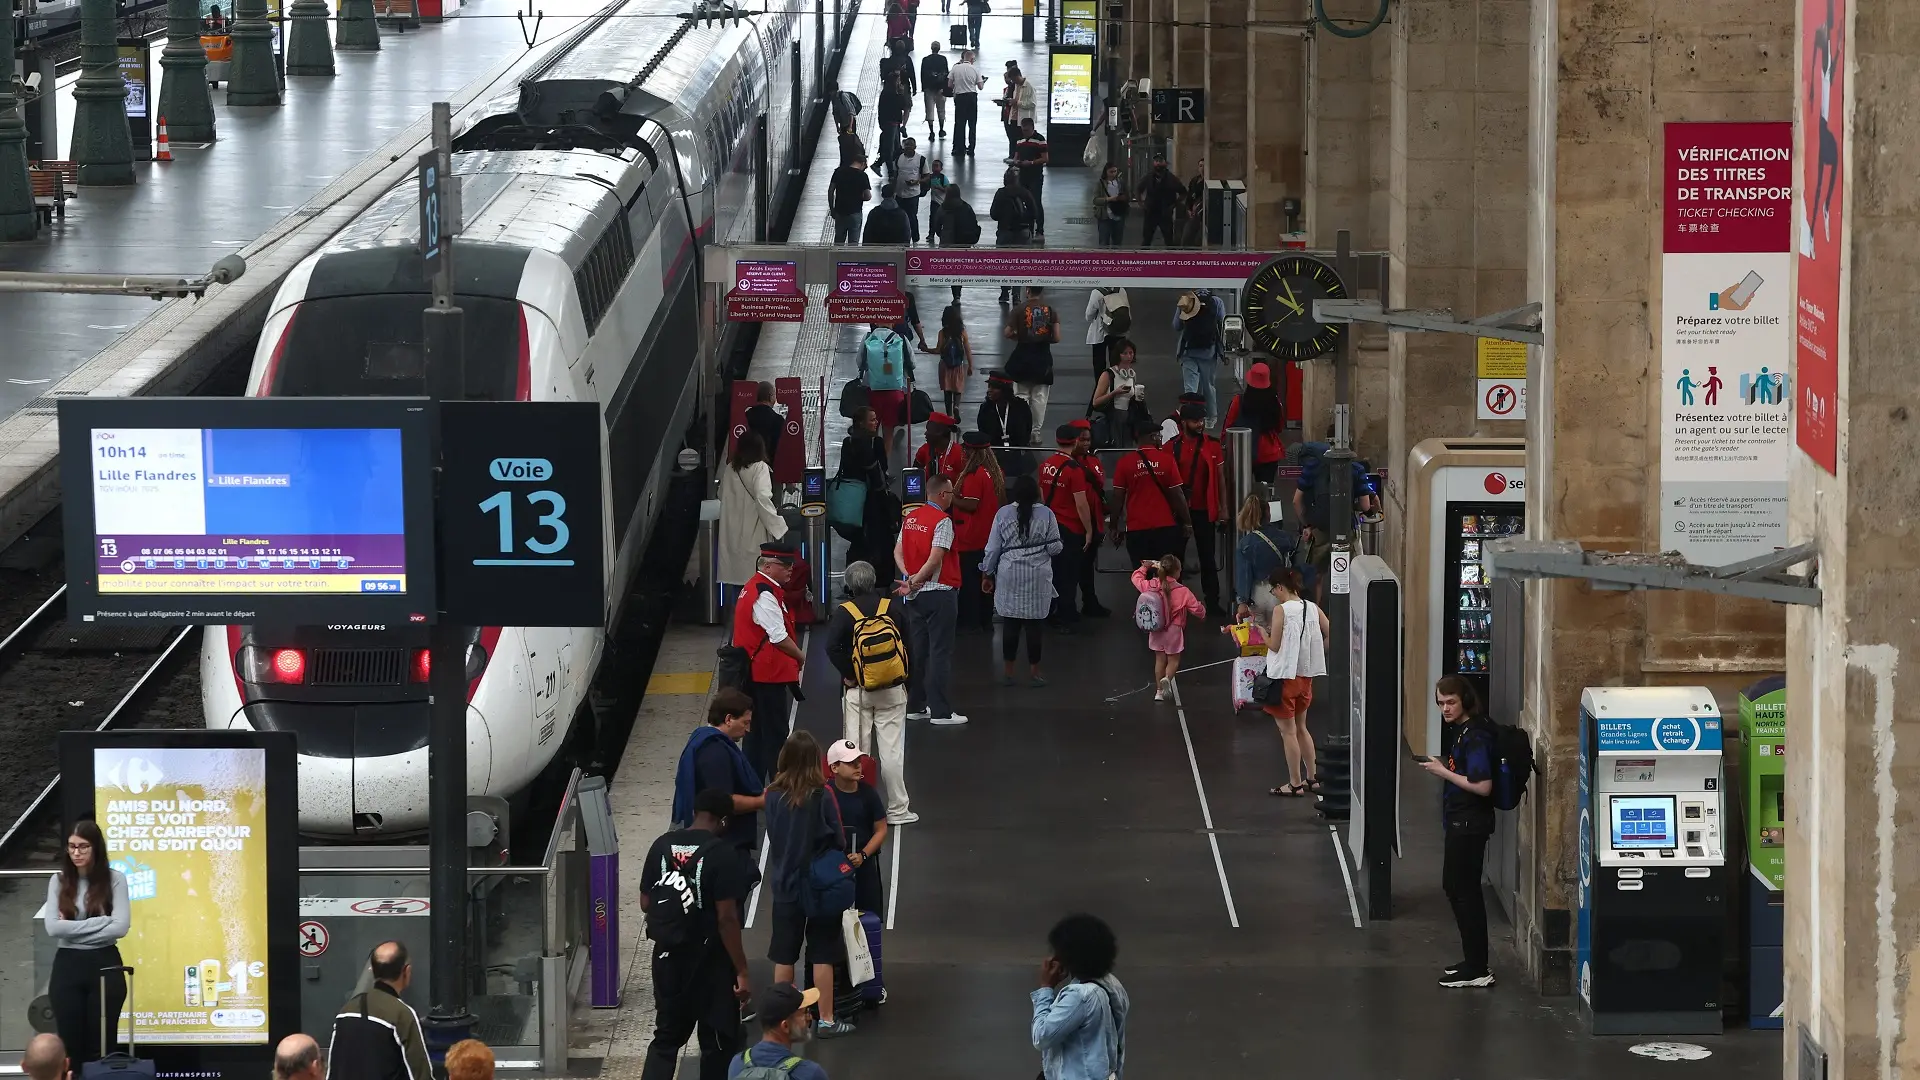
pixel 1146 485
pixel 1067 489
pixel 925 554
pixel 1260 407
pixel 978 491
pixel 1084 453
pixel 763 626
pixel 1202 462
pixel 940 447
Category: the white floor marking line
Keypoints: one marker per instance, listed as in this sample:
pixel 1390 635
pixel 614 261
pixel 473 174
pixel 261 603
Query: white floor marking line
pixel 893 870
pixel 753 902
pixel 1340 856
pixel 1206 812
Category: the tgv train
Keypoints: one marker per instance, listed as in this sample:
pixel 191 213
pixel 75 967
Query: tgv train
pixel 588 189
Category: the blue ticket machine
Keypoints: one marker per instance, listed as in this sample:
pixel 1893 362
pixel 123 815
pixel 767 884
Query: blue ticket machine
pixel 1651 932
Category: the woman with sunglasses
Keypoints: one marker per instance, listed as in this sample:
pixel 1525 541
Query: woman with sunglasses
pixel 87 913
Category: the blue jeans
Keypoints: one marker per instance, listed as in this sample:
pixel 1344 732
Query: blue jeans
pixel 1197 372
pixel 973 27
pixel 1109 231
pixel 930 619
pixel 846 228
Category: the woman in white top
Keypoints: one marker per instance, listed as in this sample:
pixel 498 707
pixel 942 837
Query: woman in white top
pixel 1296 652
pixel 86 914
pixel 748 517
pixel 1116 394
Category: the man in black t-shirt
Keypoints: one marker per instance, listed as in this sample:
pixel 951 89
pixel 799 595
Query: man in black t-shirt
pixel 847 193
pixel 1031 157
pixel 1466 813
pixel 692 886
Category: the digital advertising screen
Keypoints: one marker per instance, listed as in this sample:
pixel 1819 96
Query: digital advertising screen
pixel 239 509
pixel 1080 22
pixel 202 827
pixel 1070 99
pixel 1642 821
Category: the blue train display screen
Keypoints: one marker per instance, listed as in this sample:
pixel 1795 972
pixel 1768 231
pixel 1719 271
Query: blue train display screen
pixel 248 511
pixel 1641 821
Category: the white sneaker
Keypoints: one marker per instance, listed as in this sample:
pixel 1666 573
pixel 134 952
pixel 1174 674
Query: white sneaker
pixel 1159 692
pixel 947 721
pixel 907 818
pixel 923 714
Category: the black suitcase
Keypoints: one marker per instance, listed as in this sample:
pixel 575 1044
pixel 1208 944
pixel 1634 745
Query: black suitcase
pixel 957 36
pixel 117 1066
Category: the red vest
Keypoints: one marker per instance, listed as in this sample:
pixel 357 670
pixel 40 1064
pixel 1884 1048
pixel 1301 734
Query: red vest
pixel 916 544
pixel 770 665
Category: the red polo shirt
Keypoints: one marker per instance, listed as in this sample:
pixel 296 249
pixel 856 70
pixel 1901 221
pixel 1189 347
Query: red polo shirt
pixel 950 462
pixel 1147 475
pixel 1059 479
pixel 971 528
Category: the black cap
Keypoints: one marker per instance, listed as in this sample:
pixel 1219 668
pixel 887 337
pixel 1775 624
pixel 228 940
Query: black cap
pixel 1068 434
pixel 782 1000
pixel 1193 411
pixel 974 440
pixel 783 549
pixel 1193 399
pixel 1145 426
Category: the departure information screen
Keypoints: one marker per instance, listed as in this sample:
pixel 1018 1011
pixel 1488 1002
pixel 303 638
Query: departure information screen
pixel 248 511
pixel 1642 822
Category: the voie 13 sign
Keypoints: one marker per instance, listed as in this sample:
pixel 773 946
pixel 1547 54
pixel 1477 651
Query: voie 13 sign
pixel 521 539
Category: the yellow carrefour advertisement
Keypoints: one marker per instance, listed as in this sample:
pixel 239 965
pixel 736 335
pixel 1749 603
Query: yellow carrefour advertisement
pixel 188 828
pixel 1071 98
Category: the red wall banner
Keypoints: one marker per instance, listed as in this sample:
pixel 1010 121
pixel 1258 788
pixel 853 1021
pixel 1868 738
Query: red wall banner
pixel 1821 227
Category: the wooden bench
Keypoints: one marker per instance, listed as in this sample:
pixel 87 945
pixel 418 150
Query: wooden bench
pixel 54 182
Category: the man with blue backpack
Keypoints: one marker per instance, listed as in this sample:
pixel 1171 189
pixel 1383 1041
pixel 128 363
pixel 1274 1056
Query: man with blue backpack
pixel 886 367
pixel 1466 813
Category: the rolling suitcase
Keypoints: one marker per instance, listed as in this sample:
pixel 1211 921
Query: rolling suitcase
pixel 875 991
pixel 957 36
pixel 118 1066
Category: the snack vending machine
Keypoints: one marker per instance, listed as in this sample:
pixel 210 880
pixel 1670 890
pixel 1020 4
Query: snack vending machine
pixel 1461 494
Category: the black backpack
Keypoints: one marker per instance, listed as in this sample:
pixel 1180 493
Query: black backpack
pixel 1203 330
pixel 673 917
pixel 1512 765
pixel 963 224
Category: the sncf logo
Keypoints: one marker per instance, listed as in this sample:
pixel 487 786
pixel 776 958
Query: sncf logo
pixel 1496 483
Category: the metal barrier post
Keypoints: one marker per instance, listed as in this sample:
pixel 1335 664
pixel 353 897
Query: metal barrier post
pixel 819 556
pixel 1239 447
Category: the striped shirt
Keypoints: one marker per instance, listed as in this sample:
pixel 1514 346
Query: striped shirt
pixel 1022 567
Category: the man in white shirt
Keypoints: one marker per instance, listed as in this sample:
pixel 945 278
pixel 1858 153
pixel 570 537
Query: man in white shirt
pixel 924 552
pixel 966 82
pixel 908 169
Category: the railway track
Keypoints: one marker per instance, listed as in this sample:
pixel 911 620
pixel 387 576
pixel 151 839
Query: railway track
pixel 54 678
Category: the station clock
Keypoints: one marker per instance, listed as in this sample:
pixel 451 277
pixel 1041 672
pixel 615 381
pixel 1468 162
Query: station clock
pixel 1278 307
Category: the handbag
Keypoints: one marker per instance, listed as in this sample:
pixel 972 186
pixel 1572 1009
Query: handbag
pixel 919 407
pixel 853 397
pixel 828 889
pixel 1266 691
pixel 847 502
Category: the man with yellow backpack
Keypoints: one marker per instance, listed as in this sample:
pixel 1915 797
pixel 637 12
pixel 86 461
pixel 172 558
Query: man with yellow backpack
pixel 867 644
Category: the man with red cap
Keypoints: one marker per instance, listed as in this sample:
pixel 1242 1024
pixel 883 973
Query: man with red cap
pixel 1259 407
pixel 1089 460
pixel 763 626
pixel 940 447
pixel 1202 461
pixel 1146 484
pixel 1067 489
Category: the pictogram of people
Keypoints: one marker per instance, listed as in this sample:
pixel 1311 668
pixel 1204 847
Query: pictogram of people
pixel 1686 385
pixel 1713 385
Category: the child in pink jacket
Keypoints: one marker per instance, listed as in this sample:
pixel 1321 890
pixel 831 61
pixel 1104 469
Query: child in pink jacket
pixel 1176 603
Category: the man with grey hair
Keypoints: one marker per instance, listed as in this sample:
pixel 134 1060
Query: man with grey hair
pixel 873 717
pixel 297 1058
pixel 45 1059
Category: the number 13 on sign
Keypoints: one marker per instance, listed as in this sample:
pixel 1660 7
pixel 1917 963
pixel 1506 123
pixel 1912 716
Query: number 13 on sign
pixel 554 519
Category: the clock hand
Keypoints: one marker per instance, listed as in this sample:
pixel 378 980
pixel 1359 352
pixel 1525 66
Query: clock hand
pixel 1291 301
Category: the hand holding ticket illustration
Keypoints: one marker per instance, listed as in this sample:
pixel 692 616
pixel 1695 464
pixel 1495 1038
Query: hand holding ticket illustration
pixel 1737 297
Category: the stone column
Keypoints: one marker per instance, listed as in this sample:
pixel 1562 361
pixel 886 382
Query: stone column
pixel 1228 89
pixel 358 31
pixel 18 218
pixel 1853 678
pixel 309 48
pixel 1606 78
pixel 102 142
pixel 185 100
pixel 1276 122
pixel 253 80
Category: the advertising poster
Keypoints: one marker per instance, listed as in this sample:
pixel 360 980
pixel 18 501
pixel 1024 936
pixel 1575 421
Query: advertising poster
pixel 1726 340
pixel 1080 22
pixel 1070 97
pixel 188 828
pixel 1821 227
pixel 133 72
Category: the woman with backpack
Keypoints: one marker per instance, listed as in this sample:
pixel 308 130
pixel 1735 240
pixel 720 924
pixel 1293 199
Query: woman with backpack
pixel 1259 407
pixel 1162 612
pixel 1108 318
pixel 956 358
pixel 803 823
pixel 1265 546
pixel 1017 570
pixel 1296 652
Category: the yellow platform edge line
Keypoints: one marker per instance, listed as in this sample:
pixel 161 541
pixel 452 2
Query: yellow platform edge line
pixel 680 682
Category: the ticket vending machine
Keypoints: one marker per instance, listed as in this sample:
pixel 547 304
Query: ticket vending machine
pixel 1651 932
pixel 1763 737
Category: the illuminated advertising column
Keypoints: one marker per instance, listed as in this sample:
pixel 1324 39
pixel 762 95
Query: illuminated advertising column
pixel 202 824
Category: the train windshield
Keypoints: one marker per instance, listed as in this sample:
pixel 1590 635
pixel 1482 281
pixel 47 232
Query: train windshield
pixel 370 346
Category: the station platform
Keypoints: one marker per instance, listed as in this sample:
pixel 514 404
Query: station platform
pixel 1240 940
pixel 267 163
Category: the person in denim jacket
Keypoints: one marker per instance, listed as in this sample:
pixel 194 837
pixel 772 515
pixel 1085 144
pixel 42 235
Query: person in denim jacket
pixel 1080 1009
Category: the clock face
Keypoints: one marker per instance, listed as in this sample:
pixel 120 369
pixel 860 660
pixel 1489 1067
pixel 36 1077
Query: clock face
pixel 1279 307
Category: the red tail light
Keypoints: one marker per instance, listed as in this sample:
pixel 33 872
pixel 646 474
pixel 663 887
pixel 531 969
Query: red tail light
pixel 258 665
pixel 421 668
pixel 422 665
pixel 523 377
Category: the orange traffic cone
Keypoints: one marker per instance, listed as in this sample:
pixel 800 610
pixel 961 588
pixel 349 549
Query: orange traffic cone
pixel 164 153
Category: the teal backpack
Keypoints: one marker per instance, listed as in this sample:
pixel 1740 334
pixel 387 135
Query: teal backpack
pixel 750 1071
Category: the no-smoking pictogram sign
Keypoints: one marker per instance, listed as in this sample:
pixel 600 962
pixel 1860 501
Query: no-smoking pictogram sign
pixel 313 939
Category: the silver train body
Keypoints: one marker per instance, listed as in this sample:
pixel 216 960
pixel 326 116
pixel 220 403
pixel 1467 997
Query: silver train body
pixel 589 186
